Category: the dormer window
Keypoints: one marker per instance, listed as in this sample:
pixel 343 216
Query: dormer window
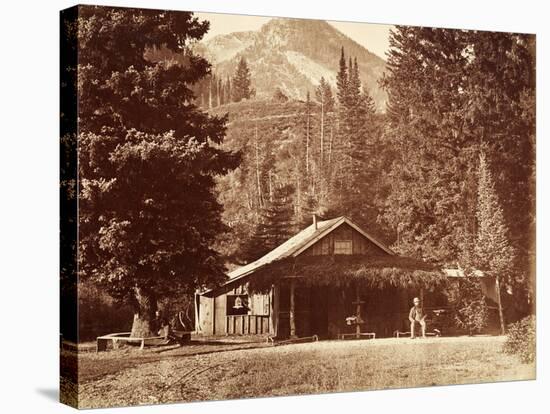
pixel 343 247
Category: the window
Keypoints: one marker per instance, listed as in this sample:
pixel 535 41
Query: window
pixel 343 247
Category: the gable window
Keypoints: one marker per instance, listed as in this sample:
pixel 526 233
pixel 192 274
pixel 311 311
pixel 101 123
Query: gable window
pixel 343 247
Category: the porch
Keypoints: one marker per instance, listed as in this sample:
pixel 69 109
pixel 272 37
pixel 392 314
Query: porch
pixel 330 312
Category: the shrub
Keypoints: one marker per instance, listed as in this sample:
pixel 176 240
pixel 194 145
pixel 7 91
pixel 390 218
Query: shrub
pixel 472 316
pixel 521 339
pixel 470 308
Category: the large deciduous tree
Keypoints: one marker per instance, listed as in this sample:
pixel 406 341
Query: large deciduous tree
pixel 148 213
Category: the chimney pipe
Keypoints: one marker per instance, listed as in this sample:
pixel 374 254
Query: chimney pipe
pixel 315 222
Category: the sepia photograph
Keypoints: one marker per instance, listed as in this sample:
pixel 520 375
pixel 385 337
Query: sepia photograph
pixel 257 206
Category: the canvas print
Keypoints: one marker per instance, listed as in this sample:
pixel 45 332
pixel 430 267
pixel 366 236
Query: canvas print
pixel 264 206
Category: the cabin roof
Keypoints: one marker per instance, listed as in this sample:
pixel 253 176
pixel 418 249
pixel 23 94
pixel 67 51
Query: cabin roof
pixel 300 242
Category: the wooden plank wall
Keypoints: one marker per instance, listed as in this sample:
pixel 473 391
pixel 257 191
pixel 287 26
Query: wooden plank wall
pixel 360 244
pixel 215 321
pixel 246 324
pixel 205 315
pixel 219 313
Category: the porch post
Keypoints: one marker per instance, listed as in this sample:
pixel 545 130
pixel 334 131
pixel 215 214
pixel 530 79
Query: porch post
pixel 358 302
pixel 275 309
pixel 292 319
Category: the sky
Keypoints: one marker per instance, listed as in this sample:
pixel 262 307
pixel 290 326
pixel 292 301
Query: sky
pixel 372 36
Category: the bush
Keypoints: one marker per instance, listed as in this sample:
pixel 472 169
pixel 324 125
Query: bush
pixel 471 313
pixel 521 339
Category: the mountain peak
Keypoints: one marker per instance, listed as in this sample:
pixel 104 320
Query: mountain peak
pixel 292 55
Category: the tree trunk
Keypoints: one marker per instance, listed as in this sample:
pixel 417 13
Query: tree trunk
pixel 330 148
pixel 307 144
pixel 258 180
pixel 322 131
pixel 499 302
pixel 145 314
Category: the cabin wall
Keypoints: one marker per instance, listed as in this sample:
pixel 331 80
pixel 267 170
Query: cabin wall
pixel 205 318
pixel 219 314
pixel 233 311
pixel 359 243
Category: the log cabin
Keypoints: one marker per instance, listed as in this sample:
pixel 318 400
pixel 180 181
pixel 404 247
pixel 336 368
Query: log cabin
pixel 331 279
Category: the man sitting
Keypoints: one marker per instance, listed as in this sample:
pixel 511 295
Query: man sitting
pixel 417 315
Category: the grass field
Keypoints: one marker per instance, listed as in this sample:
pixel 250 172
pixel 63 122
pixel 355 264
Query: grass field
pixel 207 371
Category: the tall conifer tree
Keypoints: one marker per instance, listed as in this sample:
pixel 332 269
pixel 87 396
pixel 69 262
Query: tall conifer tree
pixel 241 84
pixel 493 253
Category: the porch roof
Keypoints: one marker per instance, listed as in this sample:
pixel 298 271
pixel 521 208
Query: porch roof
pixel 375 272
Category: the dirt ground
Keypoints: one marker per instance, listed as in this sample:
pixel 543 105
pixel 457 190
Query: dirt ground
pixel 243 367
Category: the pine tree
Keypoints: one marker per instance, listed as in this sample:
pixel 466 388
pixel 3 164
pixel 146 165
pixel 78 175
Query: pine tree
pixel 342 80
pixel 241 84
pixel 354 85
pixel 275 225
pixel 357 137
pixel 228 90
pixel 450 90
pixel 307 135
pixel 493 253
pixel 323 95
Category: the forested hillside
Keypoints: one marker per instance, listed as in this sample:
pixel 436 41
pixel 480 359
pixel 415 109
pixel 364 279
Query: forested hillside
pixel 411 175
pixel 301 157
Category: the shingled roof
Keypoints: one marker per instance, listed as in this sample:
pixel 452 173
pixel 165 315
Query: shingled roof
pixel 298 243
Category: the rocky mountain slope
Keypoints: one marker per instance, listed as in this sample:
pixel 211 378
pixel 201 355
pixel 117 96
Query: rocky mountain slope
pixel 292 54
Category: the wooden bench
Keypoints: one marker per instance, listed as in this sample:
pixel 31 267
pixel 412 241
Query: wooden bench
pixel 298 340
pixel 115 338
pixel 356 324
pixel 360 335
pixel 399 334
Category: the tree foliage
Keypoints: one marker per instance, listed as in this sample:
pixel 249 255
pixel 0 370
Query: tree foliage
pixel 274 227
pixel 148 157
pixel 448 93
pixel 493 253
pixel 470 309
pixel 521 339
pixel 241 84
pixel 410 175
